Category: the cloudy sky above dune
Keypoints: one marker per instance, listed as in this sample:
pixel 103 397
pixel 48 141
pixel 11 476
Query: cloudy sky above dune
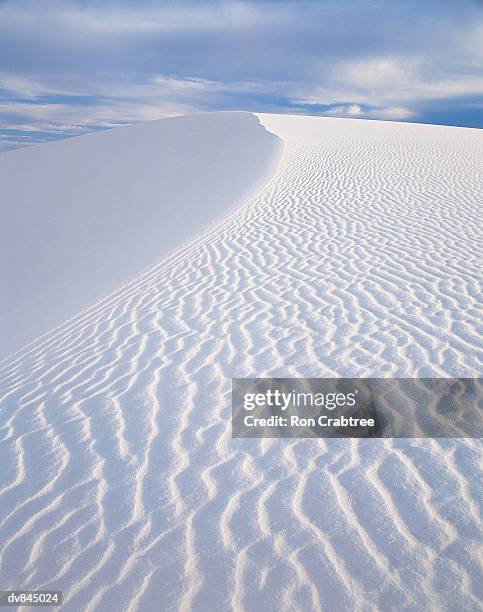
pixel 76 66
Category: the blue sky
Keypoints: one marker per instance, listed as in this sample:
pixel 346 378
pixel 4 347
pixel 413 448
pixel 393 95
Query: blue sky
pixel 76 66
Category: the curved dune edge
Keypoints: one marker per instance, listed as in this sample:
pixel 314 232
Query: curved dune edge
pixel 82 217
pixel 121 484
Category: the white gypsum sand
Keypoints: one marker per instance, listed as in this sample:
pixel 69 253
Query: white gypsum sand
pixel 83 216
pixel 121 484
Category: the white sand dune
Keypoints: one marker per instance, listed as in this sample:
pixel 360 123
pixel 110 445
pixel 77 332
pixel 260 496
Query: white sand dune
pixel 120 483
pixel 83 216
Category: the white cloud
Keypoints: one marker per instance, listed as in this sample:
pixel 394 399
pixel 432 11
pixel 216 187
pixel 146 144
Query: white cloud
pixel 391 112
pixel 123 18
pixel 345 111
pixel 381 81
pixel 378 72
pixel 355 110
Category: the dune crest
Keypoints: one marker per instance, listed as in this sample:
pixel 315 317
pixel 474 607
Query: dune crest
pixel 83 216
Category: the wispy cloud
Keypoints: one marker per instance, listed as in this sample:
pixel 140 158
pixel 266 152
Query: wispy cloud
pixel 77 66
pixel 356 111
pixel 393 87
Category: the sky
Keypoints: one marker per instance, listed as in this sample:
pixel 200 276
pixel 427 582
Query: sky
pixel 77 66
